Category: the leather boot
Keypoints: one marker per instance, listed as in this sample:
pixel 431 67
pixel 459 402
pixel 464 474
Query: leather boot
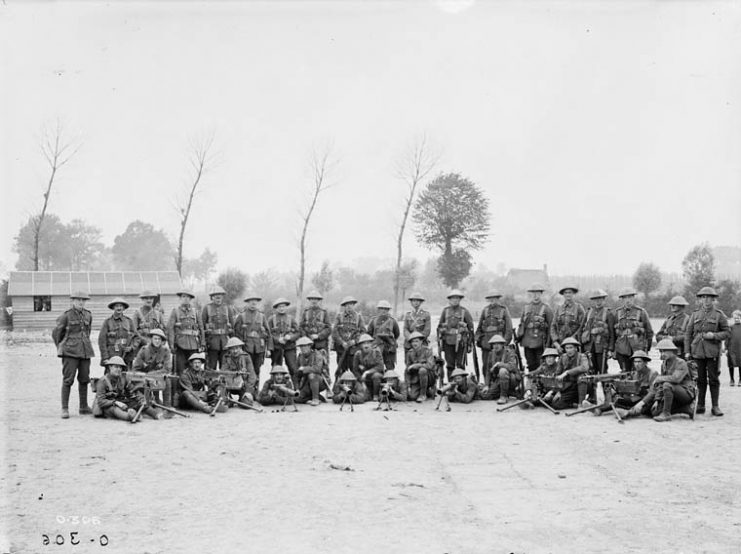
pixel 84 408
pixel 701 390
pixel 65 401
pixel 714 395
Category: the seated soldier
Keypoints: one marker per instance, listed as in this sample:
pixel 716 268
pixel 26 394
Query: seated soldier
pixel 502 375
pixel 419 374
pixel 672 392
pixel 392 387
pixel 278 389
pixel 368 365
pixel 644 377
pixel 237 360
pixel 115 397
pixel 310 372
pixel 155 355
pixel 571 365
pixel 548 367
pixel 196 392
pixel 463 388
pixel 348 387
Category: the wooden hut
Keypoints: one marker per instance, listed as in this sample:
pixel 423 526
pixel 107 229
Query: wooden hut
pixel 39 297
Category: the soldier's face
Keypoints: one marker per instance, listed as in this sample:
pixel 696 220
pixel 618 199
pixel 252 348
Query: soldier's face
pixel 535 295
pixel 305 348
pixel 281 309
pixel 156 341
pixel 313 302
pixel 252 304
pixel 118 309
pixel 184 300
pixel 217 299
pixel 598 302
pixel 568 295
pixel 366 346
pixel 416 343
pixel 115 371
pixel 737 318
pixel 570 349
pixel 148 301
pixel 279 377
pixel 550 360
pixel 454 300
pixel 348 307
pixel 674 308
pixel 78 303
pixel 497 347
pixel 197 365
pixel 707 301
pixel 639 363
pixel 416 304
pixel 459 379
pixel 629 301
pixel 667 354
pixel 383 311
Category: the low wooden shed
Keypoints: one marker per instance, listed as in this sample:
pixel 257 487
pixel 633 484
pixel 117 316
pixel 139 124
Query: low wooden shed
pixel 39 297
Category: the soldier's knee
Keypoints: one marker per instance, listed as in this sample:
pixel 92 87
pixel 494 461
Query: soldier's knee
pixel 313 378
pixel 376 377
pixel 667 386
pixel 503 373
pixel 423 372
pixel 68 381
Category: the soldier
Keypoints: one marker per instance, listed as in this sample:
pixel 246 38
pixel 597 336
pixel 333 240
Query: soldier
pixel 385 332
pixel 368 365
pixel 462 388
pixel 278 389
pixel 117 335
pixel 114 396
pixel 218 323
pixel 733 347
pixel 315 322
pixel 155 356
pixel 348 388
pixel 284 332
pixel 197 392
pixel 571 364
pixel 251 327
pixel 416 320
pixel 236 359
pixel 501 375
pixel 547 367
pixel 645 377
pixel 495 320
pixel 632 330
pixel 185 331
pixel 675 326
pixel 146 318
pixel 348 326
pixel 707 328
pixel 455 332
pixel 568 318
pixel 72 338
pixel 597 332
pixel 393 388
pixel 534 328
pixel 419 374
pixel 672 391
pixel 312 372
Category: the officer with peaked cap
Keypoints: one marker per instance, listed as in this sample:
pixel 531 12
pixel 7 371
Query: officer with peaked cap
pixel 632 329
pixel 495 320
pixel 597 333
pixel 455 332
pixel 568 317
pixel 314 322
pixel 218 324
pixel 385 332
pixel 419 373
pixel 533 332
pixel 185 332
pixel 147 317
pixel 251 326
pixel 72 339
pixel 117 335
pixel 416 320
pixel 707 328
pixel 284 332
pixel 348 326
pixel 675 326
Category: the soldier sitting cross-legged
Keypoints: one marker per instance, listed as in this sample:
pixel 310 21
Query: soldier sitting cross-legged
pixel 419 374
pixel 502 375
pixel 197 392
pixel 278 389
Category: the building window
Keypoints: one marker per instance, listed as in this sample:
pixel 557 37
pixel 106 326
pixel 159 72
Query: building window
pixel 42 303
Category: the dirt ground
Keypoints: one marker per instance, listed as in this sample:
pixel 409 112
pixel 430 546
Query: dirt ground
pixel 412 480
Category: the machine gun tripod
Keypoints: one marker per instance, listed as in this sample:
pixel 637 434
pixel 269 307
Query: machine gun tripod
pixel 535 395
pixel 151 382
pixel 608 381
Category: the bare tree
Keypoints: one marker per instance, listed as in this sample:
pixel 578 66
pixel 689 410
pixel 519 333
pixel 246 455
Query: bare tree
pixel 57 153
pixel 200 159
pixel 321 165
pixel 413 166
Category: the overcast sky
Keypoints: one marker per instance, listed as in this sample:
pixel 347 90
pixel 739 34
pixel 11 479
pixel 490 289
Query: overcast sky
pixel 604 133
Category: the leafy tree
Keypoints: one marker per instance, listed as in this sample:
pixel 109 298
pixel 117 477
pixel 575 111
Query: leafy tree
pixel 83 245
pixel 72 247
pixel 647 278
pixel 406 276
pixel 200 267
pixel 264 282
pixel 452 215
pixel 234 282
pixel 729 296
pixel 324 279
pixel 142 248
pixel 698 268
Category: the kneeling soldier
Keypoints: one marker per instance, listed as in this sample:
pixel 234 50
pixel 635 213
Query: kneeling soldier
pixel 115 398
pixel 348 389
pixel 571 365
pixel 236 359
pixel 533 386
pixel 502 374
pixel 644 377
pixel 310 373
pixel 278 389
pixel 393 388
pixel 155 356
pixel 672 392
pixel 463 388
pixel 195 391
pixel 419 374
pixel 368 365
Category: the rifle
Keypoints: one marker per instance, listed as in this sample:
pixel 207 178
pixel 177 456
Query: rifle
pixel 288 394
pixel 516 347
pixel 440 355
pixel 476 363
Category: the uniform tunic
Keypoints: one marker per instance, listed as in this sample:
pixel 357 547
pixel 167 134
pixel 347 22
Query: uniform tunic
pixel 419 321
pixel 674 328
pixel 116 338
pixel 385 332
pixel 567 321
pixel 145 319
pixel 315 321
pixel 72 339
pixel 150 358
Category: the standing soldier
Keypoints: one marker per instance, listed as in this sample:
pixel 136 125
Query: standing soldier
pixel 368 365
pixel 315 323
pixel 416 320
pixel 218 322
pixel 146 318
pixel 706 331
pixel 494 320
pixel 251 327
pixel 534 327
pixel 284 332
pixel 117 334
pixel 598 331
pixel 632 330
pixel 311 376
pixel 348 326
pixel 72 339
pixel 733 347
pixel 185 331
pixel 675 326
pixel 502 374
pixel 568 319
pixel 455 332
pixel 385 332
pixel 420 367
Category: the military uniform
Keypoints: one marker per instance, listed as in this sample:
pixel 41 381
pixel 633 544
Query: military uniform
pixel 348 326
pixel 185 334
pixel 574 365
pixel 313 375
pixel 275 393
pixel 117 337
pixel 356 393
pixel 371 364
pixel 239 361
pixel 218 323
pixel 145 319
pixel 151 358
pixel 644 378
pixel 315 323
pixel 455 330
pixel 494 320
pixel 465 392
pixel 706 351
pixel 420 372
pixel 671 396
pixel 385 332
pixel 283 326
pixel 632 332
pixel 72 339
pixel 567 320
pixel 419 321
pixel 501 375
pixel 397 391
pixel 675 326
pixel 533 331
pixel 251 327
pixel 598 334
pixel 115 399
pixel 199 393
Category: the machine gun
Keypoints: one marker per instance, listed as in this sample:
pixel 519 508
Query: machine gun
pixel 443 394
pixel 148 384
pixel 535 394
pixel 347 399
pixel 230 382
pixel 289 395
pixel 384 398
pixel 607 380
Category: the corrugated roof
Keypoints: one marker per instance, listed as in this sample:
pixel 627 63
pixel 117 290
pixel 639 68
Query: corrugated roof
pixel 62 283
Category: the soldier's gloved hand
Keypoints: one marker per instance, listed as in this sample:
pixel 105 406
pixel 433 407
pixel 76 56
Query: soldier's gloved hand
pixel 485 390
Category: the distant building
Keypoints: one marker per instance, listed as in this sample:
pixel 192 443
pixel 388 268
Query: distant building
pixel 522 279
pixel 39 297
